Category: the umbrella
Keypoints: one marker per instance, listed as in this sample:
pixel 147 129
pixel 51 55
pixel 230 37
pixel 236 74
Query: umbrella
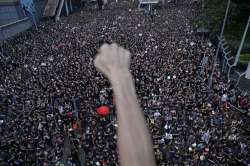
pixel 103 110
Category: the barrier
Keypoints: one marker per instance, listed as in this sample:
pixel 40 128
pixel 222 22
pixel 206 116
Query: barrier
pixel 227 64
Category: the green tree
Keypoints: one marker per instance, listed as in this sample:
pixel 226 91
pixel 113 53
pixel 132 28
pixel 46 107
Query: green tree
pixel 213 14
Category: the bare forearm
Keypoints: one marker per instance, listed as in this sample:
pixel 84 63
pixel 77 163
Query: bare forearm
pixel 134 142
pixel 135 145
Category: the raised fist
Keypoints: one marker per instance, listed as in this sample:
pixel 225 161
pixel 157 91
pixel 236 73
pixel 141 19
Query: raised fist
pixel 112 59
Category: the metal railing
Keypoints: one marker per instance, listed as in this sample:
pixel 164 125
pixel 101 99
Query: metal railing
pixel 226 61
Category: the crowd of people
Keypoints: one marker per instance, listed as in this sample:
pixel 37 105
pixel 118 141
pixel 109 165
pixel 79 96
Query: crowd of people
pixel 50 90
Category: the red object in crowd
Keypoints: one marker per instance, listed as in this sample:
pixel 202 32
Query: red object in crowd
pixel 242 102
pixel 226 105
pixel 104 162
pixel 75 126
pixel 103 111
pixel 61 45
pixel 70 114
pixel 60 140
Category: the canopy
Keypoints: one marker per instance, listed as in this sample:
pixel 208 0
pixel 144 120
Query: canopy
pixel 103 110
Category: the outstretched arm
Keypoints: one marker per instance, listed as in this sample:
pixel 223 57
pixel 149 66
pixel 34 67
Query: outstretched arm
pixel 134 142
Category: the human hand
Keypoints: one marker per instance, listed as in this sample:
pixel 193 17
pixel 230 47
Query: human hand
pixel 112 60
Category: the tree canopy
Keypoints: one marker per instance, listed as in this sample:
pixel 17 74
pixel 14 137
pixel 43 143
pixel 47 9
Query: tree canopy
pixel 213 14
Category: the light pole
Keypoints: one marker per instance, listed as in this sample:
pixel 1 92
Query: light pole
pixel 219 44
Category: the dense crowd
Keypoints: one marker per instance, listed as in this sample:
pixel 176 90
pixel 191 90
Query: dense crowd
pixel 49 91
